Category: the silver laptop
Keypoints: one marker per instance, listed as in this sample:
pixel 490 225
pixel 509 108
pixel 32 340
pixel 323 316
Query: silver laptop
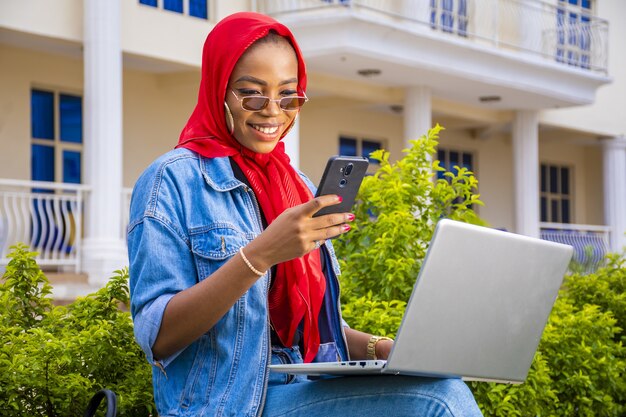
pixel 477 311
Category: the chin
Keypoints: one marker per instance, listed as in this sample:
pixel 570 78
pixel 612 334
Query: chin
pixel 265 148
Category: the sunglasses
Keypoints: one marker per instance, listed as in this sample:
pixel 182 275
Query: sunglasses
pixel 258 103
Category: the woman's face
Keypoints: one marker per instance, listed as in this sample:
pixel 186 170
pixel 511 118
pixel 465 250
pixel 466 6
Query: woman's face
pixel 268 69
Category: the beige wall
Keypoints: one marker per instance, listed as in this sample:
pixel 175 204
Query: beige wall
pixel 156 107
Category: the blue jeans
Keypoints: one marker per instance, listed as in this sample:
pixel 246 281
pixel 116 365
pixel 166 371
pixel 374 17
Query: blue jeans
pixel 381 395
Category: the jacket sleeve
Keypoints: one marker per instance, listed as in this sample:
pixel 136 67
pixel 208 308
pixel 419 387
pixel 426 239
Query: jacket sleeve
pixel 161 265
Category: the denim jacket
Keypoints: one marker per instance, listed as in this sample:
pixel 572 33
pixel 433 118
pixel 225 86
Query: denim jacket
pixel 189 215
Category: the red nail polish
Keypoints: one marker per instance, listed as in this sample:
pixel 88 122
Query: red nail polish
pixel 346 227
pixel 351 217
pixel 339 198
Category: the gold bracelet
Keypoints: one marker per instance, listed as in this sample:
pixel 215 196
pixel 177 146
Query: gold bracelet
pixel 371 346
pixel 253 269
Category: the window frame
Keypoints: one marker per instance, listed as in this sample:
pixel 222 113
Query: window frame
pixel 558 196
pixel 443 11
pixel 576 52
pixel 373 166
pixel 461 151
pixel 58 145
pixel 186 8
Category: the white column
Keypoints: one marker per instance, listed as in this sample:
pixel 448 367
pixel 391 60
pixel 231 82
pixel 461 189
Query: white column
pixel 292 144
pixel 104 249
pixel 614 158
pixel 417 113
pixel 526 172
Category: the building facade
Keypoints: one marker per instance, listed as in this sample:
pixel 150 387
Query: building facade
pixel 531 92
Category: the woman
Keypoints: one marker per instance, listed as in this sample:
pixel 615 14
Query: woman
pixel 229 270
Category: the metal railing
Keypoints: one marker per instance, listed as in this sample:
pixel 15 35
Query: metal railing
pixel 556 32
pixel 47 216
pixel 590 242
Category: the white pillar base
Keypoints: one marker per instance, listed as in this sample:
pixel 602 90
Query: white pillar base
pixel 101 257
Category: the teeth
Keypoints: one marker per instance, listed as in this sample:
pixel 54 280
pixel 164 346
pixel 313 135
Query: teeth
pixel 266 130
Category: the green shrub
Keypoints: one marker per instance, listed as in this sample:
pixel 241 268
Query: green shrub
pixel 54 358
pixel 374 316
pixel 605 288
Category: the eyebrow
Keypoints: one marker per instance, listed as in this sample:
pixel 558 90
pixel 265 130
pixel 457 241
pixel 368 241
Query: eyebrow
pixel 258 81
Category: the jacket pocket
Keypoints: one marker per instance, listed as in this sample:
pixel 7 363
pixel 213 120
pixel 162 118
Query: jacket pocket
pixel 212 246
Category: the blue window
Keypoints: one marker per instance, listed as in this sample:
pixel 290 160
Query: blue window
pixel 42 163
pixel 347 146
pixel 198 8
pixel 56 153
pixel 71 109
pixel 173 5
pixel 71 167
pixel 369 146
pixel 555 193
pixel 42 114
pixel 450 159
pixel 573 33
pixel 449 16
pixel 352 146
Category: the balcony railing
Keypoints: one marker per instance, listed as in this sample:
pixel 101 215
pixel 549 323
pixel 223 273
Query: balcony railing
pixel 556 32
pixel 591 243
pixel 47 216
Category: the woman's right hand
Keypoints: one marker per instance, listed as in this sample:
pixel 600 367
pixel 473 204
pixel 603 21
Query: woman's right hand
pixel 294 232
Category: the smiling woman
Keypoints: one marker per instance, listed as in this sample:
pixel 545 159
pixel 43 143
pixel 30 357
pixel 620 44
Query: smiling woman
pixel 230 271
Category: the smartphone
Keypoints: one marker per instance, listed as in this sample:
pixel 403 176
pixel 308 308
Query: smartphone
pixel 343 176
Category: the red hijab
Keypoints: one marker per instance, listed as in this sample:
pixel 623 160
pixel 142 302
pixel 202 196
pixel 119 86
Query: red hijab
pixel 298 289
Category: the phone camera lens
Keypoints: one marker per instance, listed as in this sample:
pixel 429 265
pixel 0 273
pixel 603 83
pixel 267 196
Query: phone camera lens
pixel 343 182
pixel 348 169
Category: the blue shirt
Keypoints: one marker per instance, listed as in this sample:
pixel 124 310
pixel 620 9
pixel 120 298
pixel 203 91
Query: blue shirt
pixel 189 215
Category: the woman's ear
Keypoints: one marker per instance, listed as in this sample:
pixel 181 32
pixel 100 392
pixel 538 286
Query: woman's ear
pixel 230 122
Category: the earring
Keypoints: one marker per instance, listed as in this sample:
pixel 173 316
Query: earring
pixel 230 122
